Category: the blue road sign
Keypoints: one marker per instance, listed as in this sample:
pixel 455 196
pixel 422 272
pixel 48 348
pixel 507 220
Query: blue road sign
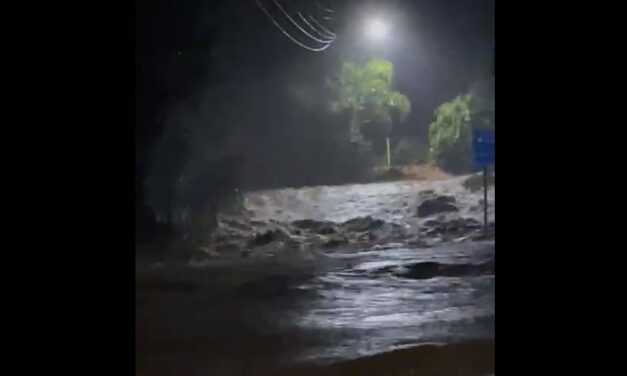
pixel 483 147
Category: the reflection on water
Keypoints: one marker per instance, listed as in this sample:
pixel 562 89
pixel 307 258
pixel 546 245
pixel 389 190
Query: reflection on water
pixel 376 310
pixel 343 306
pixel 316 305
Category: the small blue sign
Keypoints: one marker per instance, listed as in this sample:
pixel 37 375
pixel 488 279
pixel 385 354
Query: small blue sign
pixel 483 147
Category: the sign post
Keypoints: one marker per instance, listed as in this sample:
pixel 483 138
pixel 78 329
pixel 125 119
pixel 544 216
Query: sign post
pixel 485 200
pixel 483 150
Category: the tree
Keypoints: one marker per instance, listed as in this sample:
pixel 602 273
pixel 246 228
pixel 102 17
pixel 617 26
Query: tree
pixel 185 149
pixel 365 93
pixel 409 152
pixel 450 133
pixel 167 161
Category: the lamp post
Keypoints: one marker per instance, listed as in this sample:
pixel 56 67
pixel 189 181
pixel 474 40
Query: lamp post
pixel 377 30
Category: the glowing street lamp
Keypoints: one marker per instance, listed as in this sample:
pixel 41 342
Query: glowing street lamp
pixel 376 29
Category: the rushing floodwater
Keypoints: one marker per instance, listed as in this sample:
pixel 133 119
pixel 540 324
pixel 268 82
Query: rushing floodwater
pixel 390 201
pixel 371 305
pixel 336 305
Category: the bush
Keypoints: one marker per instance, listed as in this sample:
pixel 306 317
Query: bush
pixel 450 133
pixel 409 152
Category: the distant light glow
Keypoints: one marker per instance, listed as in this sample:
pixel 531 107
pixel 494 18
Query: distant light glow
pixel 376 29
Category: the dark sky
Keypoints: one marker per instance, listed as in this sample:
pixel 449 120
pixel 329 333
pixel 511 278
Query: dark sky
pixel 186 49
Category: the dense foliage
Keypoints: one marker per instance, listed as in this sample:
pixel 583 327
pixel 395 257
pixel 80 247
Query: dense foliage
pixel 365 93
pixel 409 152
pixel 196 166
pixel 450 132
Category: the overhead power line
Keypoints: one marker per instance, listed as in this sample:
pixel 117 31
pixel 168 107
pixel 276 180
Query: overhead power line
pixel 298 26
pixel 326 43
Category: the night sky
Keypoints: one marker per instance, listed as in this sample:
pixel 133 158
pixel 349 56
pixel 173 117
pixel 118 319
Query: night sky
pixel 187 51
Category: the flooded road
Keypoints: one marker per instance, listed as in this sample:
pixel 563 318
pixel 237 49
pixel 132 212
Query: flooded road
pixel 393 298
pixel 390 201
pixel 318 306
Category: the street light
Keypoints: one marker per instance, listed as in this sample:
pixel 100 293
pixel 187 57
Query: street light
pixel 376 29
